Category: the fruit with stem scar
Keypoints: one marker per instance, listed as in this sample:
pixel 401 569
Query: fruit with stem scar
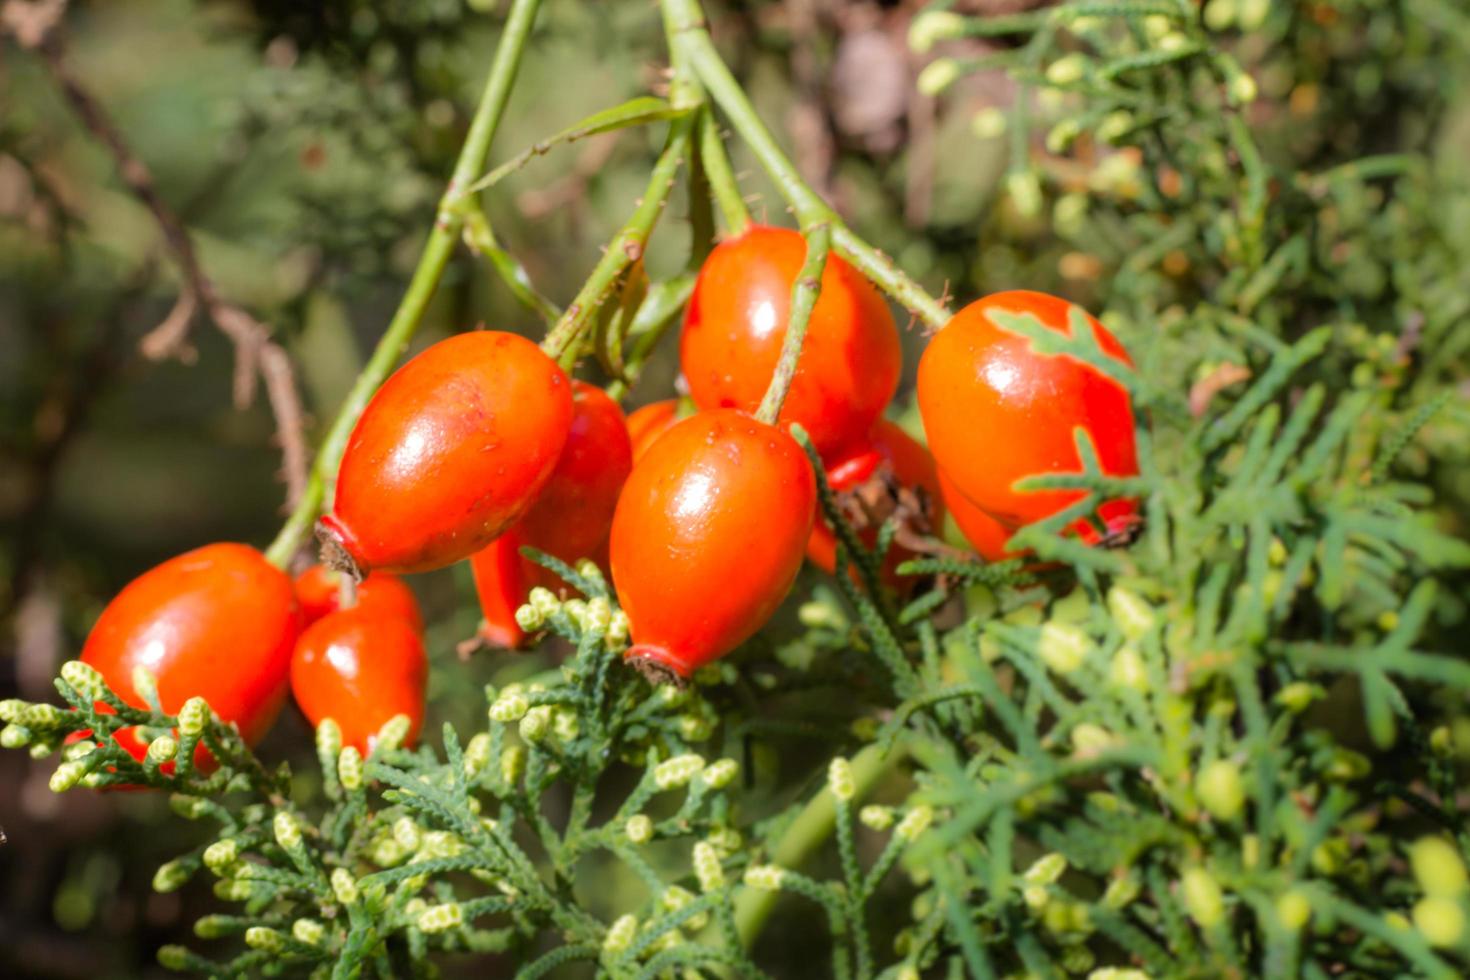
pixel 708 537
pixel 450 452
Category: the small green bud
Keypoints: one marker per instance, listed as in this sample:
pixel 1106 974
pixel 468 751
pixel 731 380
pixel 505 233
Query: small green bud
pixel 287 831
pixel 620 935
pixel 720 773
pixel 1045 870
pixel 529 617
pixel 1297 696
pixel 67 775
pixel 725 840
pixel 1156 26
pixel 989 123
pixel 588 569
pixel 1253 14
pixel 1036 897
pixel 937 76
pixel 1067 70
pixel 1442 741
pixel 264 939
pixel 1117 973
pixel 233 890
pixel 406 834
pixel 564 724
pixel 1347 765
pixel 1438 867
pixel 441 918
pixel 839 779
pixel 1089 739
pixel 174 958
pixel 707 867
pixel 617 631
pixel 536 723
pixel 545 601
pixel 1127 671
pixel 1061 136
pixel 1121 892
pixel 477 755
pixel 1220 14
pixel 387 852
pixel 85 679
pixel 220 856
pixel 193 716
pixel 876 817
pixel 1441 921
pixel 1221 790
pixel 1243 89
pixel 349 768
pixel 43 717
pixel 696 728
pixel 1293 910
pixel 1063 646
pixel 162 749
pixel 678 771
pixel 171 876
pixel 639 828
pixel 915 822
pixel 764 877
pixel 512 764
pixel 145 684
pixel 328 739
pixel 392 735
pixel 1203 899
pixel 13 710
pixel 1134 616
pixel 215 927
pixel 1172 41
pixel 78 750
pixel 932 26
pixel 16 737
pixel 599 614
pixel 308 931
pixel 576 610
pixel 344 887
pixel 1025 192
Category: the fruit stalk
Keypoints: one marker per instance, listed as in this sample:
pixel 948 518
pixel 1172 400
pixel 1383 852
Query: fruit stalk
pixel 406 319
pixel 804 293
pixel 625 248
pixel 692 35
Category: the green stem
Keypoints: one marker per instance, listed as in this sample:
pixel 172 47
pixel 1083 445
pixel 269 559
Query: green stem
pixel 660 311
pixel 625 248
pixel 813 825
pixel 437 251
pixel 804 293
pixel 810 209
pixel 722 182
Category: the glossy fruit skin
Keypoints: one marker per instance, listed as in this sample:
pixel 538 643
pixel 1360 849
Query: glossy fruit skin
pixel 708 537
pixel 217 622
pixel 360 667
pixel 986 535
pixel 995 411
pixel 450 452
pixel 911 467
pixel 651 421
pixel 570 520
pixel 736 322
pixel 318 588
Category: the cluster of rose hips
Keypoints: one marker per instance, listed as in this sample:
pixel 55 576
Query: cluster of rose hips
pixel 482 444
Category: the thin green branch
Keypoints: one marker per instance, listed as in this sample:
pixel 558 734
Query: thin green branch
pixel 804 293
pixel 410 313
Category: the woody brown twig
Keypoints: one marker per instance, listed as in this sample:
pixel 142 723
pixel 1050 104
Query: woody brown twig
pixel 35 25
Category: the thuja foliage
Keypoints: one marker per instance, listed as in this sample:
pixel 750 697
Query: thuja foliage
pixel 1231 746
